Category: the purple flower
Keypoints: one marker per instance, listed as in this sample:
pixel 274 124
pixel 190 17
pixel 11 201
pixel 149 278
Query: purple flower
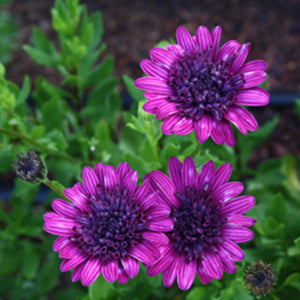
pixel 110 227
pixel 193 85
pixel 208 222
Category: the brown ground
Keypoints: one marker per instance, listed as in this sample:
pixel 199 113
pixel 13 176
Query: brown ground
pixel 133 27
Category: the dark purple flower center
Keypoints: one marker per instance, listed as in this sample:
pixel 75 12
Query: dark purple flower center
pixel 197 224
pixel 115 225
pixel 203 86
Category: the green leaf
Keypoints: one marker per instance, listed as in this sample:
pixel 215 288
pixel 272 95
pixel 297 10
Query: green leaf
pixel 197 293
pixel 278 209
pixel 102 135
pixel 102 290
pixel 40 57
pixel 96 20
pixel 32 255
pixel 293 280
pixel 134 92
pixel 294 251
pixel 22 97
pixel 297 103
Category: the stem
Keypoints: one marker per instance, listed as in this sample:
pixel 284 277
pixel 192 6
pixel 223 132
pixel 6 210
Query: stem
pixel 54 188
pixel 196 150
pixel 36 144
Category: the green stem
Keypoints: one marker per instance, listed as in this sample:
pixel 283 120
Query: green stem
pixel 196 150
pixel 54 188
pixel 36 144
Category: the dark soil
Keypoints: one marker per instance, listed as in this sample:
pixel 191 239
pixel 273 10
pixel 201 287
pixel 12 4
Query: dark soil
pixel 133 27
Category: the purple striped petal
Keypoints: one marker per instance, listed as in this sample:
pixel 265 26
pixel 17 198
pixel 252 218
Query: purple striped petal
pixel 253 78
pixel 161 225
pixel 213 265
pixel 215 37
pixel 59 243
pixel 206 176
pixel 237 234
pixel 163 263
pixel 184 39
pixel 123 276
pixel 228 264
pixel 227 191
pixel 148 201
pixel 183 127
pixel 186 274
pixel 152 105
pixel 169 123
pixel 122 169
pixel 110 271
pixel 216 132
pixel 64 208
pixel 68 264
pixel 176 49
pixel 233 250
pixel 170 273
pixel 239 205
pixel 131 266
pixel 69 250
pixel 154 70
pixel 165 109
pixel 79 199
pixel 203 128
pixel 90 180
pixel 166 186
pixel 154 85
pixel 252 97
pixel 157 238
pixel 235 219
pixel 240 57
pixel 59 227
pixel 91 271
pixel 163 57
pixel 76 274
pixel 175 169
pixel 110 177
pixel 189 172
pixel 130 181
pixel 222 175
pixel 99 172
pixel 254 65
pixel 142 191
pixel 233 116
pixel 158 212
pixel 247 120
pixel 203 276
pixel 228 49
pixel 203 38
pixel 228 134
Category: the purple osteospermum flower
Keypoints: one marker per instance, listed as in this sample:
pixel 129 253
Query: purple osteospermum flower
pixel 112 225
pixel 196 86
pixel 208 222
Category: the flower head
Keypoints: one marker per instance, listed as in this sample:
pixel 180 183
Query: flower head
pixel 208 222
pixel 30 167
pixel 195 86
pixel 110 227
pixel 260 278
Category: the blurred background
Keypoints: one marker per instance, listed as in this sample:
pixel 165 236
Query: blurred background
pixel 132 28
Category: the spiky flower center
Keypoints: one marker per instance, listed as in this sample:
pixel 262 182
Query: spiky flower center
pixel 260 278
pixel 197 224
pixel 115 225
pixel 203 86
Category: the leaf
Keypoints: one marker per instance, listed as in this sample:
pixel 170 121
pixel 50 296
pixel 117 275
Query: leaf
pixel 196 293
pixel 102 290
pixel 40 57
pixel 293 280
pixel 102 135
pixel 22 97
pixel 134 92
pixel 278 209
pixel 297 103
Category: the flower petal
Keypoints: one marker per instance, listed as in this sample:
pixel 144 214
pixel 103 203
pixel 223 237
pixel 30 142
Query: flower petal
pixel 227 50
pixel 253 78
pixel 252 97
pixel 110 271
pixel 169 123
pixel 131 266
pixel 186 274
pixel 130 181
pixel 79 199
pixel 203 128
pixel 183 127
pixel 240 57
pixel 65 208
pixel 60 242
pixel 233 250
pixel 153 84
pixel 76 274
pixel 175 169
pixel 184 39
pixel 235 219
pixel 163 57
pixel 161 225
pixel 165 109
pixel 215 37
pixel 239 205
pixel 189 172
pixel 206 176
pixel 91 271
pixel 154 70
pixel 237 234
pixel 213 265
pixel 110 177
pixel 68 264
pixel 227 191
pixel 171 272
pixel 90 180
pixel 254 65
pixel 203 38
pixel 222 175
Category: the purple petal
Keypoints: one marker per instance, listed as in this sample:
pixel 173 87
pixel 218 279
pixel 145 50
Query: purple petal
pixel 130 181
pixel 240 57
pixel 59 227
pixel 235 219
pixel 203 128
pixel 169 123
pixel 160 211
pixel 148 201
pixel 254 65
pixel 253 78
pixel 60 242
pixel 184 39
pixel 246 120
pixel 233 116
pixel 183 127
pixel 170 273
pixel 142 191
pixel 228 264
pixel 110 177
pixel 213 265
pixel 153 84
pixel 99 172
pixel 203 276
pixel 157 238
pixel 239 205
pixel 222 175
pixel 154 70
pixel 166 186
pixel 110 271
pixel 122 169
pixel 217 132
pixel 237 234
pixel 203 38
pixel 76 274
pixel 233 250
pixel 228 134
pixel 69 250
pixel 145 252
pixel 206 175
pixel 176 49
pixel 161 225
pixel 186 274
pixel 165 109
pixel 253 97
pixel 215 37
pixel 131 266
pixel 68 264
pixel 227 191
pixel 175 168
pixel 228 49
pixel 189 172
pixel 79 199
pixel 91 271
pixel 163 57
pixel 65 209
pixel 90 180
pixel 123 276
